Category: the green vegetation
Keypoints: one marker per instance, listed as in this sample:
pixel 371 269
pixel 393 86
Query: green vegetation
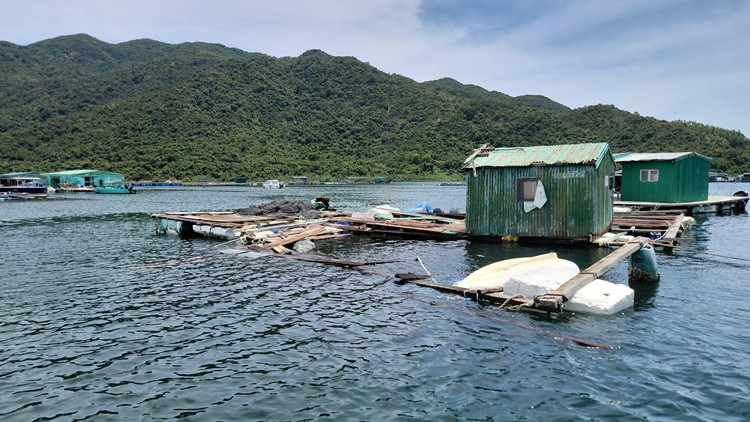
pixel 203 111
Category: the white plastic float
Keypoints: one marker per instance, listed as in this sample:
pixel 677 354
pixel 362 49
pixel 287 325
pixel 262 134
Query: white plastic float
pixel 540 274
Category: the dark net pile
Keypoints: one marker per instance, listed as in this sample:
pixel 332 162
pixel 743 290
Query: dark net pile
pixel 283 208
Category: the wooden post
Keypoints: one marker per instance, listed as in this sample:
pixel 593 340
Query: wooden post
pixel 554 301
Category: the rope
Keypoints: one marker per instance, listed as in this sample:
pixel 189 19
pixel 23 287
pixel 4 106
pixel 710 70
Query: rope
pixel 426 270
pixel 241 238
pixel 513 307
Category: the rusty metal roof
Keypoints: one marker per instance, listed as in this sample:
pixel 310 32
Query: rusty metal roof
pixel 655 156
pixel 548 155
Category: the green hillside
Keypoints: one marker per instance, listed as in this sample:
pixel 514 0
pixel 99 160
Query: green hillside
pixel 206 112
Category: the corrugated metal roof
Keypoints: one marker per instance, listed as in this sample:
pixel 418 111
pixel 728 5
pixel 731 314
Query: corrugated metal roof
pixel 655 156
pixel 548 155
pixel 20 175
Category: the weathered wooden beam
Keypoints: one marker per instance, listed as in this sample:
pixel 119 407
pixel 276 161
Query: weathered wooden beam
pixel 490 295
pixel 329 236
pixel 312 231
pixel 674 229
pixel 642 222
pixel 475 153
pixel 281 249
pixel 554 300
pixel 428 217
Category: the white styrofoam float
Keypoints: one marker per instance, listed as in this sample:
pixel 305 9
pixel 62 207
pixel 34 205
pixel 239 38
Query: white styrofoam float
pixel 214 232
pixel 540 274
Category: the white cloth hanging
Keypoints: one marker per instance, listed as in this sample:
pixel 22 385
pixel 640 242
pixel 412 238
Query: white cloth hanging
pixel 540 198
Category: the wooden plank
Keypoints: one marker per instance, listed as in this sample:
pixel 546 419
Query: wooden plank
pixel 284 226
pixel 430 228
pixel 638 231
pixel 674 229
pixel 649 212
pixel 427 217
pixel 475 153
pixel 461 217
pixel 281 249
pixel 490 295
pixel 554 300
pixel 329 236
pixel 641 223
pixel 648 216
pixel 312 231
pixel 412 234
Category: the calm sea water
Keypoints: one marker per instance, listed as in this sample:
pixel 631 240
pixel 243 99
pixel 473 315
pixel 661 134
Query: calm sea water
pixel 85 335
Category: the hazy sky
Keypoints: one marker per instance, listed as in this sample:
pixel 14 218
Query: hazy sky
pixel 686 60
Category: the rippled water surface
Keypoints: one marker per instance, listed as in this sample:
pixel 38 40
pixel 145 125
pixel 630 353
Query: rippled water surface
pixel 83 334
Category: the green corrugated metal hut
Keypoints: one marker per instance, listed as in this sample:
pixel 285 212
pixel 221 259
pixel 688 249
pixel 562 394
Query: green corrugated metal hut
pixel 576 180
pixel 664 176
pixel 83 178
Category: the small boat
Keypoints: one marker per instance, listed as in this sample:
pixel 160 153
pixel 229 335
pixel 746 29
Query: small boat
pixel 272 184
pixel 537 275
pixel 22 183
pixel 116 188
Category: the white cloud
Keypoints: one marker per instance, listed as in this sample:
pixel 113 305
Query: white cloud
pixel 683 66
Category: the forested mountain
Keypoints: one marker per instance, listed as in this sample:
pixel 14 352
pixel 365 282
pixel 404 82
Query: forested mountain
pixel 200 111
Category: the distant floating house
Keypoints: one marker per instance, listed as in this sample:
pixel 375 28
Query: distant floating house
pixel 664 177
pixel 558 191
pixel 83 178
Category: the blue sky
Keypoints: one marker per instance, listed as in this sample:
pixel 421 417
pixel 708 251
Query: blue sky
pixel 687 60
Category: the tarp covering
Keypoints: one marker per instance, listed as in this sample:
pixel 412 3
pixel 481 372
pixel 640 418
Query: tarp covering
pixel 423 208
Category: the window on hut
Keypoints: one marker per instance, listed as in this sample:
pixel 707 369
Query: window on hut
pixel 526 189
pixel 649 175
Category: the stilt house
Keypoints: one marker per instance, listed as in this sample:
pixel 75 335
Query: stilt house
pixel 664 177
pixel 557 191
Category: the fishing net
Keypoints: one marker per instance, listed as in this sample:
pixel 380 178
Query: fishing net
pixel 283 208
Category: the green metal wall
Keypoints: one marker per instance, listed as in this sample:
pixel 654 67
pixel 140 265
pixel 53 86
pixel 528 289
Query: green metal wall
pixel 578 202
pixel 692 179
pixel 684 180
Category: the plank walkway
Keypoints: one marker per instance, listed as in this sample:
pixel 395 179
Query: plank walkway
pixel 718 201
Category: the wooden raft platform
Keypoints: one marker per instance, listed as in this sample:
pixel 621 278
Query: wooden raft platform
pixel 266 232
pixel 711 205
pixel 553 301
pixel 408 224
pixel 229 219
pixel 645 222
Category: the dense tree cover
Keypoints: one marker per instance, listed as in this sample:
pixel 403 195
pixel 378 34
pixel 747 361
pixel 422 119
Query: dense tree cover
pixel 202 111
